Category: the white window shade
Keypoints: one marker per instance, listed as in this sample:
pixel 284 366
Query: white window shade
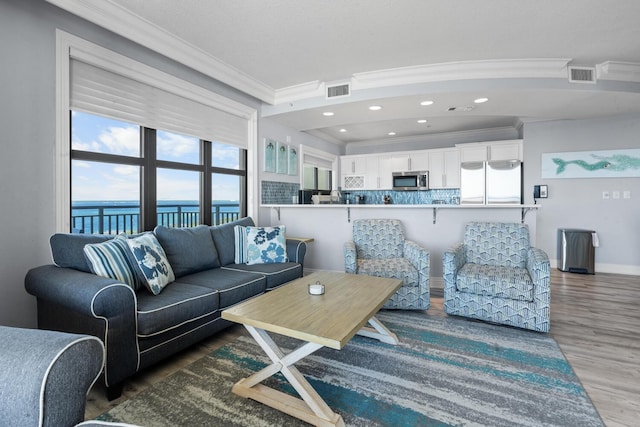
pixel 98 91
pixel 319 162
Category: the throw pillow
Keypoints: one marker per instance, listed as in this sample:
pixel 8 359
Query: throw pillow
pixel 150 262
pixel 109 259
pixel 266 245
pixel 240 244
pixel 189 250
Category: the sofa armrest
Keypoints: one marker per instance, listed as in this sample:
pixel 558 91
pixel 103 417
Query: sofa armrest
pixel 74 301
pixel 296 250
pixel 45 376
pixel 452 260
pixel 84 293
pixel 350 257
pixel 418 256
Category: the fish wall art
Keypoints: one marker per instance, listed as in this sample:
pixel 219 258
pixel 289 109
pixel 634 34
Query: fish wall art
pixel 592 164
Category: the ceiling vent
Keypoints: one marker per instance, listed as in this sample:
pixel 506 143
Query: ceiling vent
pixel 337 91
pixel 582 75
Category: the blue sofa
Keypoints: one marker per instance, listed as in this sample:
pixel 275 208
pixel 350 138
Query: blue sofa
pixel 137 327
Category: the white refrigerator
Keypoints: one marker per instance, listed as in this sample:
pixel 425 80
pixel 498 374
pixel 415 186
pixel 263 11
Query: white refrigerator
pixel 491 183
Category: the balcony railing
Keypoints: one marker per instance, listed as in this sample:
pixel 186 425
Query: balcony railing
pixel 119 217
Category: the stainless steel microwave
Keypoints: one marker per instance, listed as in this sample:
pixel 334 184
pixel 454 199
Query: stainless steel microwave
pixel 408 181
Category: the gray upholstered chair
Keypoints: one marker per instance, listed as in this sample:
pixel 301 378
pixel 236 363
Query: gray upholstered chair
pixel 496 276
pixel 45 376
pixel 379 249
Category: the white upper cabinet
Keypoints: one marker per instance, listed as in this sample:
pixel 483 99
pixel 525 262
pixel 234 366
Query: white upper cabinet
pixel 506 150
pixel 444 168
pixel 419 160
pixel 489 151
pixel 473 153
pixel 359 173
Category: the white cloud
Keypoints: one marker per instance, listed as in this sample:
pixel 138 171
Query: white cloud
pixel 175 146
pixel 121 140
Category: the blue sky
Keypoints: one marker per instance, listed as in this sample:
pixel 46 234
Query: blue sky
pixel 100 181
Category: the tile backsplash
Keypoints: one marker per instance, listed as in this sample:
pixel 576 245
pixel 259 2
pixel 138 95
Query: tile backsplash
pixel 279 193
pixel 283 193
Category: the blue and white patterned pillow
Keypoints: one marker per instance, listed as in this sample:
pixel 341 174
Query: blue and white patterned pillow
pixel 266 245
pixel 240 235
pixel 109 259
pixel 150 262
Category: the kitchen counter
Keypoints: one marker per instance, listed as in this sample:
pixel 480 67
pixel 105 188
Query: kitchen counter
pixel 436 227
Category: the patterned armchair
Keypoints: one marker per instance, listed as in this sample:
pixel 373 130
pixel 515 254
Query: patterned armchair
pixel 495 275
pixel 379 249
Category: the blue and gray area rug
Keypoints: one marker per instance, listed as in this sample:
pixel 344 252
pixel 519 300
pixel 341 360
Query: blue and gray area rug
pixel 446 372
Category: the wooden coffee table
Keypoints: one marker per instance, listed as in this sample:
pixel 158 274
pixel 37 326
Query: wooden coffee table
pixel 330 320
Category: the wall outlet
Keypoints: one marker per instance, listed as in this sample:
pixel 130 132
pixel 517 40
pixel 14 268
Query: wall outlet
pixel 605 195
pixel 626 194
pixel 616 194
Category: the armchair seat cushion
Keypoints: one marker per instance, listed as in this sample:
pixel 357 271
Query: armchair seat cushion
pixel 394 268
pixel 496 281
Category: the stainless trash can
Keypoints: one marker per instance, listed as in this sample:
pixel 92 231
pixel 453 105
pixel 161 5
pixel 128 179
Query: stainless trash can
pixel 576 250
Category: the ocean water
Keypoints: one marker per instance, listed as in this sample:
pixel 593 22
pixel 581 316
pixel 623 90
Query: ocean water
pixel 114 217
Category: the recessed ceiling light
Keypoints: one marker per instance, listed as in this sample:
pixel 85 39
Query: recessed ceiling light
pixel 481 100
pixel 391 133
pixel 328 113
pixel 426 103
pixel 343 130
pixel 421 121
pixel 375 108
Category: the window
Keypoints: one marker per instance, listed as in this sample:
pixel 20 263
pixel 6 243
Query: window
pixel 316 178
pixel 318 169
pixel 115 167
pixel 141 140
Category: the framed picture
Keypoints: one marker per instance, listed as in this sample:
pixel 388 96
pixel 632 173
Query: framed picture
pixel 592 164
pixel 293 160
pixel 270 155
pixel 282 158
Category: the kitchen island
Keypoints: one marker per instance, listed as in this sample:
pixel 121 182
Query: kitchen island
pixel 437 227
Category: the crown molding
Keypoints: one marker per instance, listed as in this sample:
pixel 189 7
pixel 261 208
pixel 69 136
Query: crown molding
pixel 302 91
pixel 463 70
pixel 118 20
pixel 621 71
pixel 445 139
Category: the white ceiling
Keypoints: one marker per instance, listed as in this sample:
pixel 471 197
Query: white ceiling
pixel 515 52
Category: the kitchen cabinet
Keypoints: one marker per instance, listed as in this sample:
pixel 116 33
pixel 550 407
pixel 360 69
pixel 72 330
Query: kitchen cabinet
pixel 444 168
pixel 353 165
pixel 359 173
pixel 491 151
pixel 507 150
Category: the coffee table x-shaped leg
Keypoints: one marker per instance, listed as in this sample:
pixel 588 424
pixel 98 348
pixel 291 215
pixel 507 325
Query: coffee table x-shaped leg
pixel 311 408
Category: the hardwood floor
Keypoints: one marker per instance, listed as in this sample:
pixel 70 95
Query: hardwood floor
pixel 594 318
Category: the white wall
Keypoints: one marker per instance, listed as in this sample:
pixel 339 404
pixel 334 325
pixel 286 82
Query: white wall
pixel 270 129
pixel 28 128
pixel 578 203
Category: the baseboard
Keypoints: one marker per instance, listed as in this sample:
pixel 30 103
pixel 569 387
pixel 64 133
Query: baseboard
pixel 631 270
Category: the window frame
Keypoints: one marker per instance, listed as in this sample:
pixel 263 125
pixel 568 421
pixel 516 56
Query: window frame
pixel 69 46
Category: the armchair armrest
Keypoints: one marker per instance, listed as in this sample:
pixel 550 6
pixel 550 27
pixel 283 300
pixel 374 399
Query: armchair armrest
pixel 418 256
pixel 350 257
pixel 538 267
pixel 452 260
pixel 46 375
